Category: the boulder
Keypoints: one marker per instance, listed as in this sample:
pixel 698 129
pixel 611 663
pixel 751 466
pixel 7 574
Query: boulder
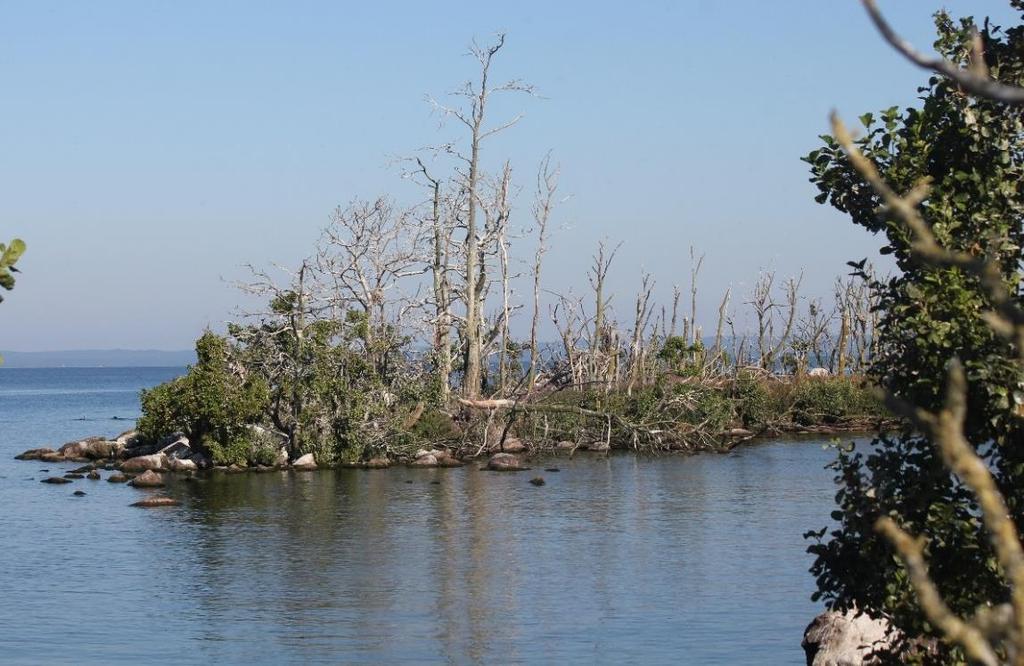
pixel 201 461
pixel 55 479
pixel 504 462
pixel 448 460
pixel 79 493
pixel 428 460
pixel 34 454
pixel 148 479
pixel 537 481
pixel 282 458
pixel 52 457
pixel 74 475
pixel 93 476
pixel 306 462
pixel 599 447
pixel 510 445
pixel 154 461
pixel 151 502
pixel 377 463
pixel 818 372
pixel 852 638
pixel 565 445
pixel 179 448
pixel 117 478
pixel 182 465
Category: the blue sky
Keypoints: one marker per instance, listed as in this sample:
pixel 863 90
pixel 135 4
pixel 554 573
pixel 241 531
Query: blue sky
pixel 149 149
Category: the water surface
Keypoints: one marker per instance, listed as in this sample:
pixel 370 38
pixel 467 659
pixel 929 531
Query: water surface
pixel 693 560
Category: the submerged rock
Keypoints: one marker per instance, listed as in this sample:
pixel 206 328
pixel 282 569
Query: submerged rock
pixel 79 493
pixel 151 502
pixel 847 639
pixel 504 462
pixel 148 479
pixel 538 481
pixel 93 476
pixel 55 479
pixel 74 475
pixel 306 462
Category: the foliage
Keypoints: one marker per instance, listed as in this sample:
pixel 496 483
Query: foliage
pixel 213 404
pixel 972 150
pixel 9 255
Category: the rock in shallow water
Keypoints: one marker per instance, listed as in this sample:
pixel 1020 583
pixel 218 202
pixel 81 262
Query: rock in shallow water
pixel 538 481
pixel 148 479
pixel 154 461
pixel 151 502
pixel 306 462
pixel 117 478
pixel 55 479
pixel 504 462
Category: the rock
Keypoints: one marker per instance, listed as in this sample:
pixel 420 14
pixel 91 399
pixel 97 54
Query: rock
pixel 538 481
pixel 93 476
pixel 306 462
pixel 151 502
pixel 55 479
pixel 504 462
pixel 598 447
pixel 552 469
pixel 565 445
pixel 510 445
pixel 148 479
pixel 74 475
pixel 447 460
pixel 34 454
pixel 117 478
pixel 282 458
pixel 264 468
pixel 153 461
pixel 179 448
pixel 182 465
pixel 52 457
pixel 201 461
pixel 818 372
pixel 847 639
pixel 428 460
pixel 377 463
pixel 235 468
pixel 84 469
pixel 79 493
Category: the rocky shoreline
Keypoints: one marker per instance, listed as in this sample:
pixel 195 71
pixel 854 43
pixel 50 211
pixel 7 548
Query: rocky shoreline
pixel 141 465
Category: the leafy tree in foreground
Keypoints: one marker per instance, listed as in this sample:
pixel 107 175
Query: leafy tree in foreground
pixel 956 237
pixel 9 255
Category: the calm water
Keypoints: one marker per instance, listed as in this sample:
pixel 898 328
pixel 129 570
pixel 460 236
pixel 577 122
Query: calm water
pixel 694 560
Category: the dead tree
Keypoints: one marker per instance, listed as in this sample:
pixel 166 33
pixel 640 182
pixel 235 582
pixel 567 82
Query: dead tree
pixel 544 201
pixel 472 116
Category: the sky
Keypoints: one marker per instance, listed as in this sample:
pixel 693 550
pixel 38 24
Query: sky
pixel 149 150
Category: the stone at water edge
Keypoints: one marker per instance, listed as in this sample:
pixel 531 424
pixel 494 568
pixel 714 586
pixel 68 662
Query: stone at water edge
pixel 510 445
pixel 117 478
pixel 148 479
pixel 34 454
pixel 74 475
pixel 282 458
pixel 79 493
pixel 377 463
pixel 305 462
pixel 842 639
pixel 538 481
pixel 93 476
pixel 428 460
pixel 504 462
pixel 55 479
pixel 151 502
pixel 154 461
pixel 182 465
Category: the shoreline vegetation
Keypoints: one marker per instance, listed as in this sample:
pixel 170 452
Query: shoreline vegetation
pixel 745 410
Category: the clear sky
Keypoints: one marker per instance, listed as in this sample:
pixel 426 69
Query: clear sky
pixel 149 149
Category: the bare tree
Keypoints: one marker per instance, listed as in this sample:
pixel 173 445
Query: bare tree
pixel 473 116
pixel 544 201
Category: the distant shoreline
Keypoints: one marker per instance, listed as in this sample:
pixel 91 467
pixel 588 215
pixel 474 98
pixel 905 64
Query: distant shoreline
pixel 98 358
